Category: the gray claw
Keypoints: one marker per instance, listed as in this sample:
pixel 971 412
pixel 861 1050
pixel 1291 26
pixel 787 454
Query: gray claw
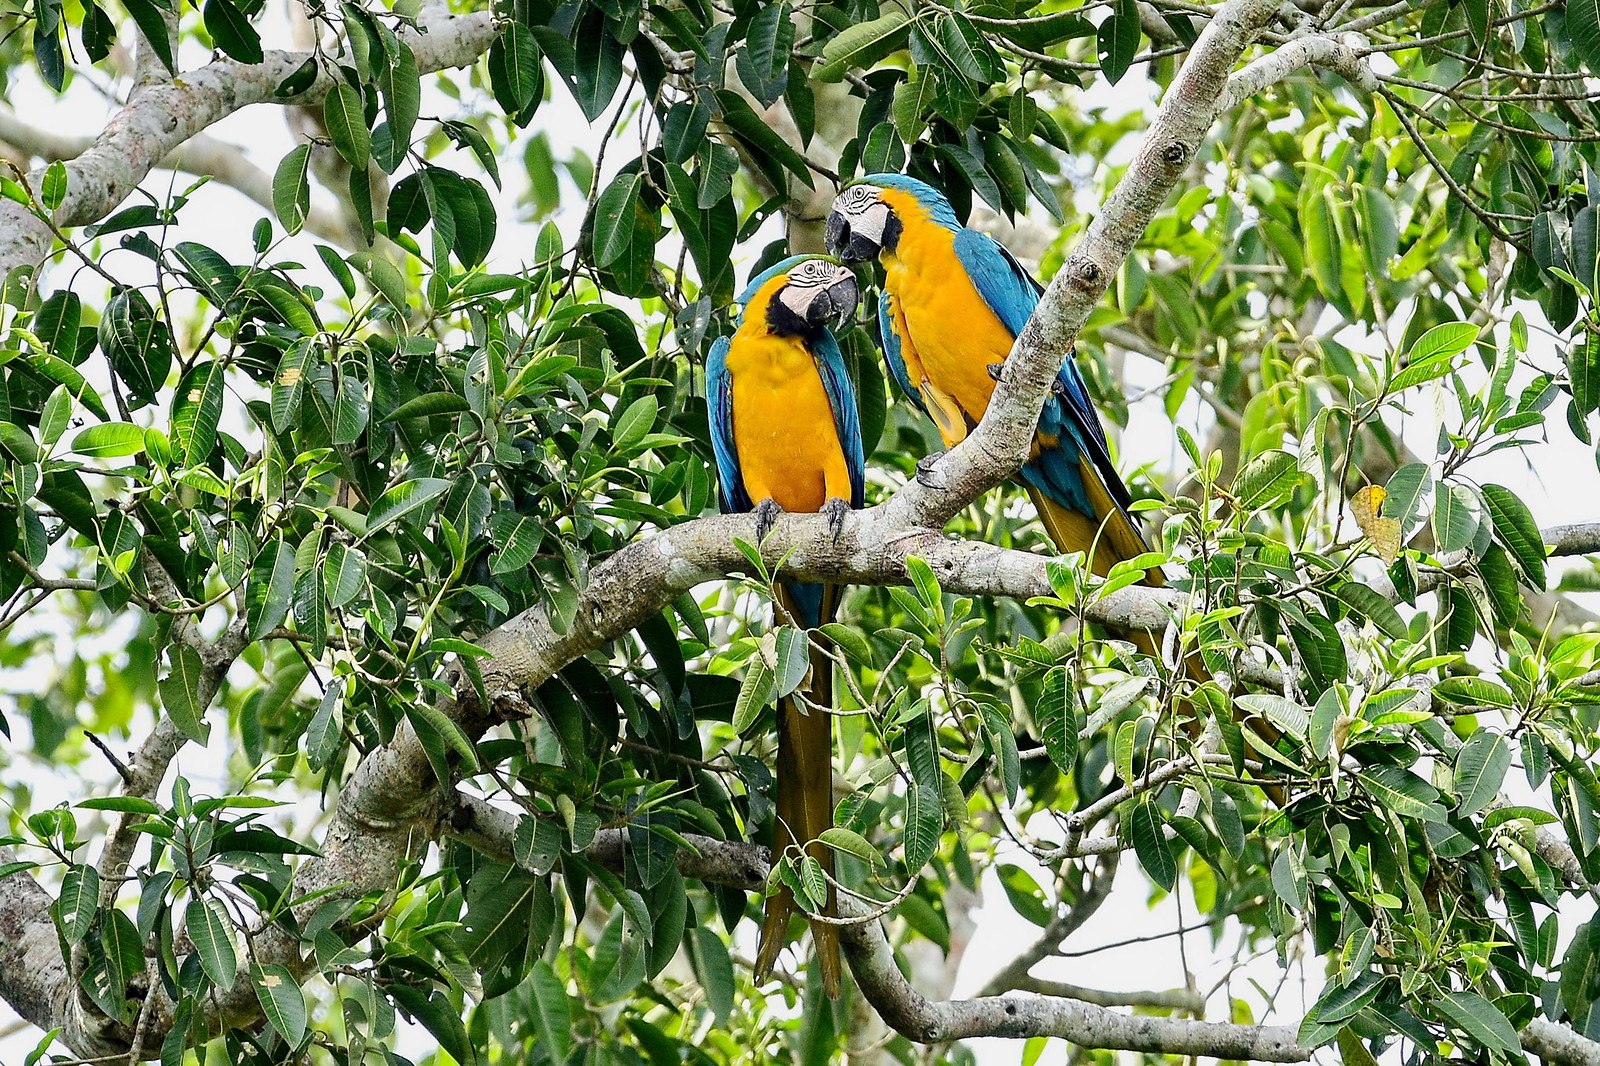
pixel 926 475
pixel 995 370
pixel 766 512
pixel 835 510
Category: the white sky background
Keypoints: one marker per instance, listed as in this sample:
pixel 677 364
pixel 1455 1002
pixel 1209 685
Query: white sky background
pixel 1558 480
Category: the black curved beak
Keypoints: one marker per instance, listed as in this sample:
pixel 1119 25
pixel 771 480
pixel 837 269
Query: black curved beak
pixel 837 235
pixel 836 304
pixel 846 244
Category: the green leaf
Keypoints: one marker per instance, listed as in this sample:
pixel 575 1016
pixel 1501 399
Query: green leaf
pixel 1583 32
pixel 715 970
pixel 400 85
pixel 967 50
pixel 344 113
pixel 404 499
pixel 1479 1019
pixel 1583 370
pixel 325 731
pixel 927 586
pixel 281 1001
pixel 1481 767
pixel 1286 715
pixel 180 691
pixel 53 189
pixel 633 422
pixel 209 932
pixel 268 592
pixel 119 939
pixel 851 843
pixel 1143 826
pixel 47 43
pixel 763 63
pixel 615 218
pixel 232 32
pixel 515 73
pixel 152 22
pixel 1369 604
pixel 924 824
pixel 791 660
pixel 553 1011
pixel 755 693
pixel 196 410
pixel 78 903
pixel 124 804
pixel 1585 262
pixel 1057 715
pixel 860 46
pixel 109 439
pixel 1474 692
pixel 1119 40
pixel 447 729
pixel 1433 354
pixel 344 572
pixel 1516 529
pixel 1456 516
pixel 291 189
pixel 770 152
pixel 1404 793
pixel 1266 479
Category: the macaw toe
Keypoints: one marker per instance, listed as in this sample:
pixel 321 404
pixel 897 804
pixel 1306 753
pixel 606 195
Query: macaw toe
pixel 927 473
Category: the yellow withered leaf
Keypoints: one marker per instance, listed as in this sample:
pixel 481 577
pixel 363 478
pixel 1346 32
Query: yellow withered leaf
pixel 1383 532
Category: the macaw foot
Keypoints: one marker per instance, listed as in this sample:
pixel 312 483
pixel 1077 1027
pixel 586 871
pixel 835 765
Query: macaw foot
pixel 995 370
pixel 927 476
pixel 835 509
pixel 766 512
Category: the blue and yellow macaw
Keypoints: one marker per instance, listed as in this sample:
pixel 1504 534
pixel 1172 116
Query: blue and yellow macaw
pixel 953 303
pixel 787 437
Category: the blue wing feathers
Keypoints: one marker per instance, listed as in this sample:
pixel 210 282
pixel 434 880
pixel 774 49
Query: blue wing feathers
pixel 892 354
pixel 1068 415
pixel 846 413
pixel 719 413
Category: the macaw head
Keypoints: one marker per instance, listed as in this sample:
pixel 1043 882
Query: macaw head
pixel 870 213
pixel 803 294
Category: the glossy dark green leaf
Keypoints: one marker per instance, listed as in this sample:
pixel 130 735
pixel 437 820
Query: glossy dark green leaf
pixel 344 114
pixel 138 344
pixel 1144 827
pixel 232 32
pixel 47 43
pixel 152 23
pixel 268 593
pixel 1515 528
pixel 615 218
pixel 282 1002
pixel 209 931
pixel 862 45
pixel 291 188
pixel 196 411
pixel 1119 40
pixel 598 71
pixel 183 692
pixel 516 72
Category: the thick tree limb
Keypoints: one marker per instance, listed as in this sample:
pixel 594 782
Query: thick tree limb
pixel 164 115
pixel 202 156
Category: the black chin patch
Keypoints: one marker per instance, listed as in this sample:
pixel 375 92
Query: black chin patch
pixel 891 232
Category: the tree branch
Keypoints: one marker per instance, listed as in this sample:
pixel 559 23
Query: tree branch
pixel 202 156
pixel 165 115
